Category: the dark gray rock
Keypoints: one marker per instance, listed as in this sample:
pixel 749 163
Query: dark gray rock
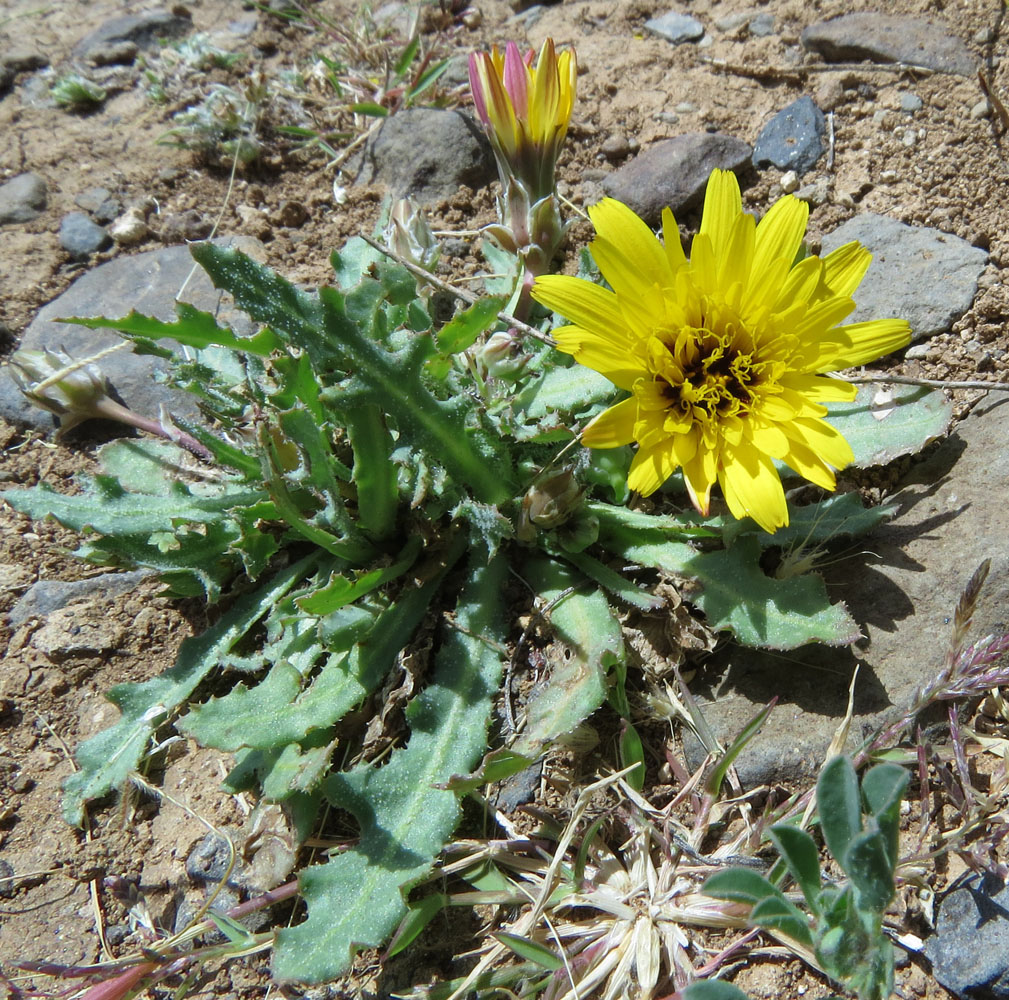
pixel 901 586
pixel 18 60
pixel 428 154
pixel 676 27
pixel 922 275
pixel 147 282
pixel 99 203
pixel 121 52
pixel 792 139
pixel 674 172
pixel 81 237
pixel 887 38
pixel 969 951
pixel 144 30
pixel 22 199
pixel 46 596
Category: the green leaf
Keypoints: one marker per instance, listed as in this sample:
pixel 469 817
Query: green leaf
pixel 374 473
pixel 760 611
pixel 576 686
pixel 777 914
pixel 356 899
pixel 839 805
pixel 462 330
pixel 632 751
pixel 531 951
pixel 885 422
pixel 418 916
pixel 883 788
pixel 193 329
pixel 498 765
pixel 342 590
pixel 867 864
pixel 741 885
pixel 106 760
pixel 567 391
pixel 619 586
pixel 713 784
pixel 370 108
pixel 838 516
pixel 277 711
pixel 799 851
pixel 713 989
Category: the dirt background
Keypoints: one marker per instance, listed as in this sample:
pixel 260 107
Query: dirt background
pixel 54 897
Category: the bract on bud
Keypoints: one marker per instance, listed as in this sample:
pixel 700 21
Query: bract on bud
pixel 409 235
pixel 53 381
pixel 502 356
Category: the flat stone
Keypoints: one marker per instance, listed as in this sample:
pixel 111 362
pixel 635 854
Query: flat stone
pixel 427 154
pixel 925 276
pixel 18 60
pixel 762 25
pixel 676 27
pixel 46 596
pixel 674 172
pixel 81 237
pixel 969 951
pixel 910 103
pixel 733 22
pixel 144 30
pixel 901 590
pixel 888 38
pixel 147 282
pixel 22 199
pixel 792 139
pixel 99 203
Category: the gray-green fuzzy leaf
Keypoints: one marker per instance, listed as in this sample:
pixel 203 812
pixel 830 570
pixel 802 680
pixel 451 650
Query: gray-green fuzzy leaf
pixel 356 899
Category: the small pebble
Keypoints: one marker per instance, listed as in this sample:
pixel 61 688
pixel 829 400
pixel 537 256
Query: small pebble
pixel 81 237
pixel 981 110
pixel 130 228
pixel 888 176
pixel 289 214
pixel 789 181
pixel 762 25
pixel 917 352
pixel 615 146
pixel 667 117
pixel 685 107
pixel 706 42
pixel 814 194
pixel 910 138
pixel 472 18
pixel 910 103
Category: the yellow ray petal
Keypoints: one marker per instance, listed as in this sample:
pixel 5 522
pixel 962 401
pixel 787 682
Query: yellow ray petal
pixel 628 253
pixel 825 441
pixel 779 235
pixel 602 354
pixel 737 257
pixel 858 343
pixel 722 204
pixel 752 487
pixel 699 475
pixel 845 267
pixel 806 463
pixel 820 389
pixel 651 468
pixel 613 427
pixel 582 303
pixel 671 241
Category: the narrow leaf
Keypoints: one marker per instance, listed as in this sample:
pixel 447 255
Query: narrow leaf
pixel 741 885
pixel 462 330
pixel 531 951
pixel 418 916
pixel 780 915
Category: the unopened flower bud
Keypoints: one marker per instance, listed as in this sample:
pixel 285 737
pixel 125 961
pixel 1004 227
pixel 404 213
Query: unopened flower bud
pixel 409 235
pixel 549 503
pixel 53 381
pixel 502 356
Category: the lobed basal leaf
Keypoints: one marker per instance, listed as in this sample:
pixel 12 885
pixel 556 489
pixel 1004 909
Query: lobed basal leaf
pixel 357 899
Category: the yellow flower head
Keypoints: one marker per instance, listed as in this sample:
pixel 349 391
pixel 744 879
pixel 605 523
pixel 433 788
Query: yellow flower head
pixel 724 353
pixel 525 109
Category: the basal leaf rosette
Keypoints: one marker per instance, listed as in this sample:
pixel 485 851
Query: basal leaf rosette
pixel 725 354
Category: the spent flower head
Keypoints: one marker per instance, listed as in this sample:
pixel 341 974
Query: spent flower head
pixel 724 353
pixel 53 381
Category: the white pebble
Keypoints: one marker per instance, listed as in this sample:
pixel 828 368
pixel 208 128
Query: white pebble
pixel 888 176
pixel 982 109
pixel 130 228
pixel 789 182
pixel 910 138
